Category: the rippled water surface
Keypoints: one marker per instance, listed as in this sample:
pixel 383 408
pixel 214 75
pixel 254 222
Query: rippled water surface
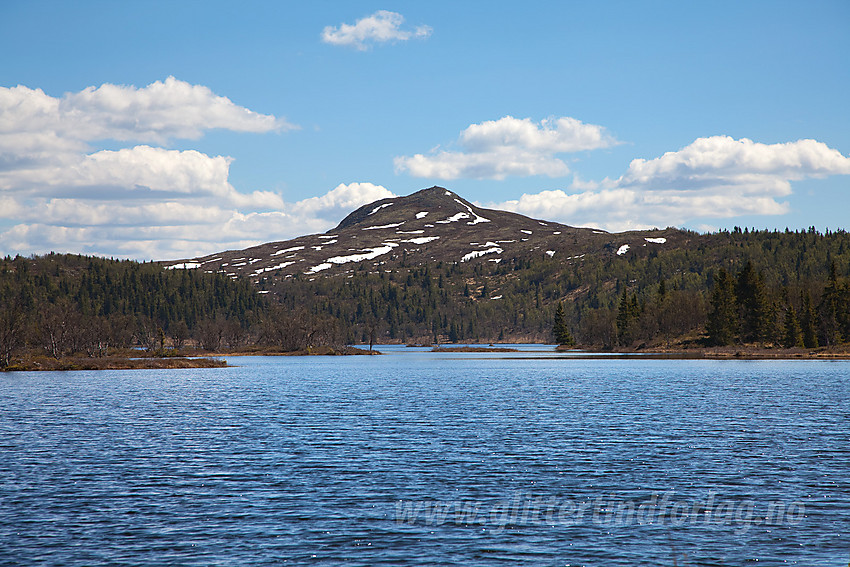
pixel 419 458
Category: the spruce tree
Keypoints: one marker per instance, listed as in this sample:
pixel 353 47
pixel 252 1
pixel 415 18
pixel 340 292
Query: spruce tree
pixel 560 330
pixel 625 316
pixel 829 311
pixel 753 305
pixel 793 336
pixel 810 334
pixel 723 318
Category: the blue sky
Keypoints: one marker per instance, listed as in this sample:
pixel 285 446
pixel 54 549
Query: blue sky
pixel 157 130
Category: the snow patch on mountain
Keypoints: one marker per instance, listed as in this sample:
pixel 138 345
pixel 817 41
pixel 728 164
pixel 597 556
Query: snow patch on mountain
pixel 422 239
pixel 478 253
pixel 454 218
pixel 285 250
pixel 384 226
pixel 368 254
pixel 477 219
pixel 184 266
pixel 273 268
pixel 319 268
pixel 379 207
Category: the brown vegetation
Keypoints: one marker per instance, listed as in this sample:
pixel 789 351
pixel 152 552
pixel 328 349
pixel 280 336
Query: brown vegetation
pixel 112 363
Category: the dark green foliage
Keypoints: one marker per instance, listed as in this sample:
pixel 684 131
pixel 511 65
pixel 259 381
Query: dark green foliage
pixel 652 296
pixel 810 335
pixel 560 330
pixel 628 313
pixel 722 323
pixel 793 335
pixel 66 304
pixel 753 305
pixel 669 293
pixel 834 311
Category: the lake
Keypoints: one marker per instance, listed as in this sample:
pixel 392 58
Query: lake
pixel 420 458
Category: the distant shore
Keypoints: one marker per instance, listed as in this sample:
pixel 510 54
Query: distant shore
pixel 443 348
pixel 726 353
pixel 312 351
pixel 112 363
pixel 126 359
pixel 189 358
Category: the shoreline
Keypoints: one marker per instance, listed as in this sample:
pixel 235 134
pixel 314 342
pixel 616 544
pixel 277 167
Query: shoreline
pixel 724 353
pixel 195 359
pixel 44 364
pixel 164 359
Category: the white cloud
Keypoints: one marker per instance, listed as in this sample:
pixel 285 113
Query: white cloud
pixel 341 200
pixel 177 228
pixel 509 147
pixel 723 161
pixel 133 173
pixel 59 192
pixel 156 113
pixel 381 27
pixel 715 177
pixel 552 135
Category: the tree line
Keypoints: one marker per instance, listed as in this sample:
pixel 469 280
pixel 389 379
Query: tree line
pixel 744 309
pixel 736 287
pixel 61 304
pixel 656 295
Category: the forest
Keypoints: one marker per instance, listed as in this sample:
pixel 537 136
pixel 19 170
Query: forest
pixel 664 297
pixel 765 288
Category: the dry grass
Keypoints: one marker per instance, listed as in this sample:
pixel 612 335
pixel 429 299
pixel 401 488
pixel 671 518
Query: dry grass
pixel 113 363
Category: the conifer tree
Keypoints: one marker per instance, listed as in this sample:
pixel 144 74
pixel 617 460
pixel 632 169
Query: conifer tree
pixel 559 328
pixel 753 305
pixel 829 311
pixel 810 334
pixel 793 336
pixel 627 314
pixel 723 319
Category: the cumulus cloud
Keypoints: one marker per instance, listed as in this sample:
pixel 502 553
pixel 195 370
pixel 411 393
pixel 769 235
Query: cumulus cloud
pixel 381 27
pixel 59 192
pixel 132 173
pixel 177 228
pixel 722 160
pixel 156 113
pixel 341 200
pixel 509 146
pixel 714 177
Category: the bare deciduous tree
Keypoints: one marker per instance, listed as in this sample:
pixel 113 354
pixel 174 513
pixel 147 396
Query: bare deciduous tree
pixel 11 330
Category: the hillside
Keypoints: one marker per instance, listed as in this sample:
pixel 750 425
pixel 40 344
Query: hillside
pixel 63 304
pixel 431 225
pixel 432 267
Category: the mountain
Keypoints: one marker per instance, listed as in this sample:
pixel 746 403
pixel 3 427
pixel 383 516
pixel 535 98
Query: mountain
pixel 431 225
pixel 433 267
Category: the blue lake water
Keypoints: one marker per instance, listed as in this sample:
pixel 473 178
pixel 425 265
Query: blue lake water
pixel 419 458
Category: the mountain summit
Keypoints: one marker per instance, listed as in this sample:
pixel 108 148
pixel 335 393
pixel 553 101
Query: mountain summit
pixel 431 225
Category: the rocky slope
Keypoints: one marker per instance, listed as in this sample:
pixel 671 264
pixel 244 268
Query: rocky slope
pixel 431 225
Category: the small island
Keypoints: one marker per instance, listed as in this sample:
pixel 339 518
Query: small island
pixel 112 363
pixel 439 348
